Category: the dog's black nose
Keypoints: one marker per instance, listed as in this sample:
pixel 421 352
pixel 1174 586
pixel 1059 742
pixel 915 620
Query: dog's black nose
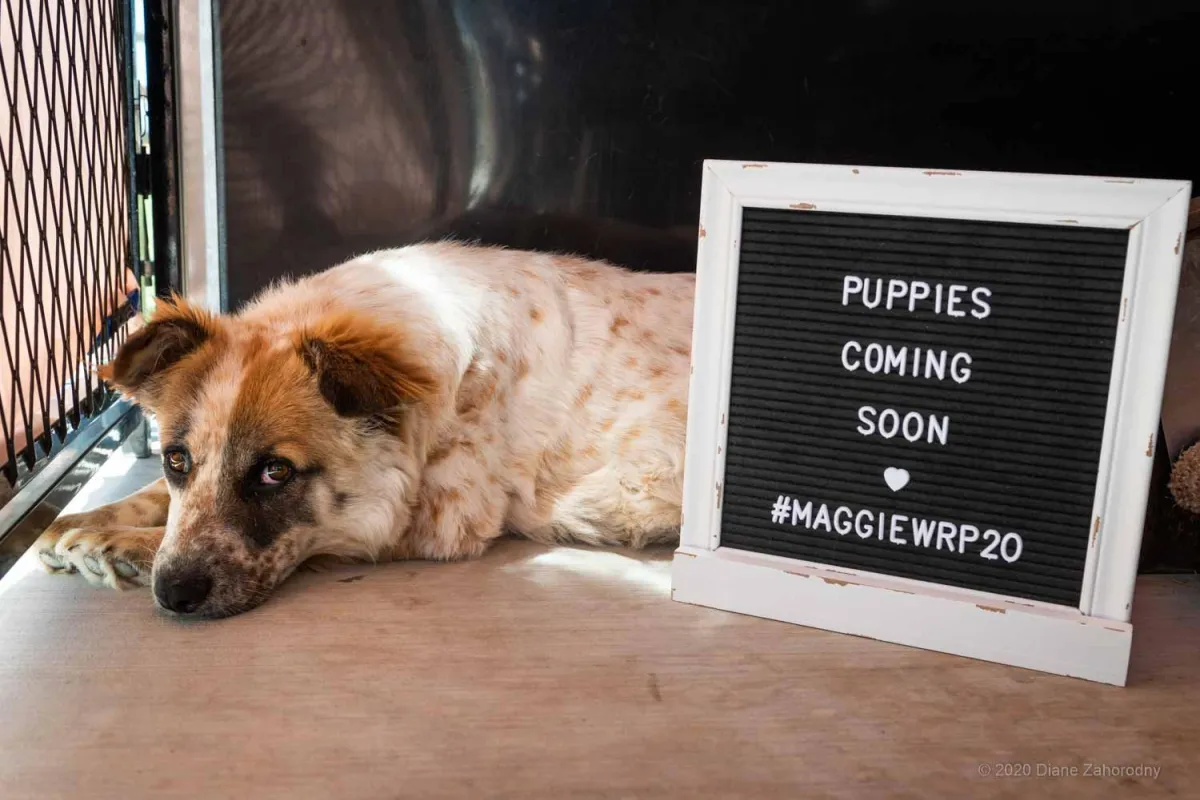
pixel 182 593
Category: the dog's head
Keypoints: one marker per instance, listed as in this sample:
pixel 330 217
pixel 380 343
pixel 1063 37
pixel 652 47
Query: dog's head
pixel 278 437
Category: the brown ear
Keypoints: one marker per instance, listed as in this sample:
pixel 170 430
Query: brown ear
pixel 362 368
pixel 176 331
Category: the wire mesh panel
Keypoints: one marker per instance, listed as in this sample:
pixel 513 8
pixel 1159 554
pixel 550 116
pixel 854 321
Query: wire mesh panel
pixel 64 217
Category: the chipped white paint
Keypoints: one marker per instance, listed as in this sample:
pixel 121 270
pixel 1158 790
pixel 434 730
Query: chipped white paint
pixel 1091 641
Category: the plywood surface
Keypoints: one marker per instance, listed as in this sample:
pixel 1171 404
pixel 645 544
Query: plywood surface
pixel 538 672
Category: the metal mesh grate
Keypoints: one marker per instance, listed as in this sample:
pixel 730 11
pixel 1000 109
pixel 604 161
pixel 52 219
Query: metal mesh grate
pixel 64 217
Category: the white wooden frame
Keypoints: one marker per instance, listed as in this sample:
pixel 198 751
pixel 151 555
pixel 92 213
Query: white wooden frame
pixel 1090 642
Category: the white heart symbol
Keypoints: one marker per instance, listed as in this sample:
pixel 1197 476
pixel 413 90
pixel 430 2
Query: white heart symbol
pixel 895 478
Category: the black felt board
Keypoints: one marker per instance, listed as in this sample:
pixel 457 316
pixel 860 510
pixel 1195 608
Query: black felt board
pixel 1022 443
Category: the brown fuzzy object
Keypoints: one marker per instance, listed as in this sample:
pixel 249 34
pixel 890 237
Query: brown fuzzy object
pixel 1185 473
pixel 1185 479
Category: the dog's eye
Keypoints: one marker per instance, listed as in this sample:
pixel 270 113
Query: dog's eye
pixel 276 473
pixel 178 461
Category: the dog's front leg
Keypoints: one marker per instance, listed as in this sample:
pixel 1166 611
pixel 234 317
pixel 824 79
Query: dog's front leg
pixel 461 506
pixel 113 545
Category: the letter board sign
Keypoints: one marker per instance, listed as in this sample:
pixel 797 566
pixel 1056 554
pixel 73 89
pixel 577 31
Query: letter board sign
pixel 924 402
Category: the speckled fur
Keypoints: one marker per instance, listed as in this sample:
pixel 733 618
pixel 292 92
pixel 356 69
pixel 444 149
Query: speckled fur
pixel 547 398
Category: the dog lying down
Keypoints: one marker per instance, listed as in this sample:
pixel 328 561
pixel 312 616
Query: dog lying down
pixel 410 403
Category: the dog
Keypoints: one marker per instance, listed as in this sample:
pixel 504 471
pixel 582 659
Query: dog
pixel 412 403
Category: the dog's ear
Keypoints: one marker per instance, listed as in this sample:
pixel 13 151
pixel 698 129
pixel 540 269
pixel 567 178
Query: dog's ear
pixel 147 357
pixel 363 368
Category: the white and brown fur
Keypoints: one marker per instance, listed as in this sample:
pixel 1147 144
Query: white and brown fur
pixel 430 398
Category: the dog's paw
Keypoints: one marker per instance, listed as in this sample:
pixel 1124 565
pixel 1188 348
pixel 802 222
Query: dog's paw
pixel 118 558
pixel 46 543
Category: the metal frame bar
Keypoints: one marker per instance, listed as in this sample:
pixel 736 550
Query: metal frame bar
pixel 199 154
pixel 68 469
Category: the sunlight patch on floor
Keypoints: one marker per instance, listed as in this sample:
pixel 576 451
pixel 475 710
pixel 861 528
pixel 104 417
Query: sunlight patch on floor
pixel 26 565
pixel 607 566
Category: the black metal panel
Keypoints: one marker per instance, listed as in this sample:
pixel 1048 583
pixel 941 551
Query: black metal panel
pixel 581 124
pixel 163 161
pixel 969 362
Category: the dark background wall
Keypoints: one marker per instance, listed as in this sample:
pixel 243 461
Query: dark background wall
pixel 581 124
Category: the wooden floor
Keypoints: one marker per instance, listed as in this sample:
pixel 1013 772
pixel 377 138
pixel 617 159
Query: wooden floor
pixel 538 672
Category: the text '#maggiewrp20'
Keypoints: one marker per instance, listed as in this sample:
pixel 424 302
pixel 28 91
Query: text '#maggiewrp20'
pixel 899 529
